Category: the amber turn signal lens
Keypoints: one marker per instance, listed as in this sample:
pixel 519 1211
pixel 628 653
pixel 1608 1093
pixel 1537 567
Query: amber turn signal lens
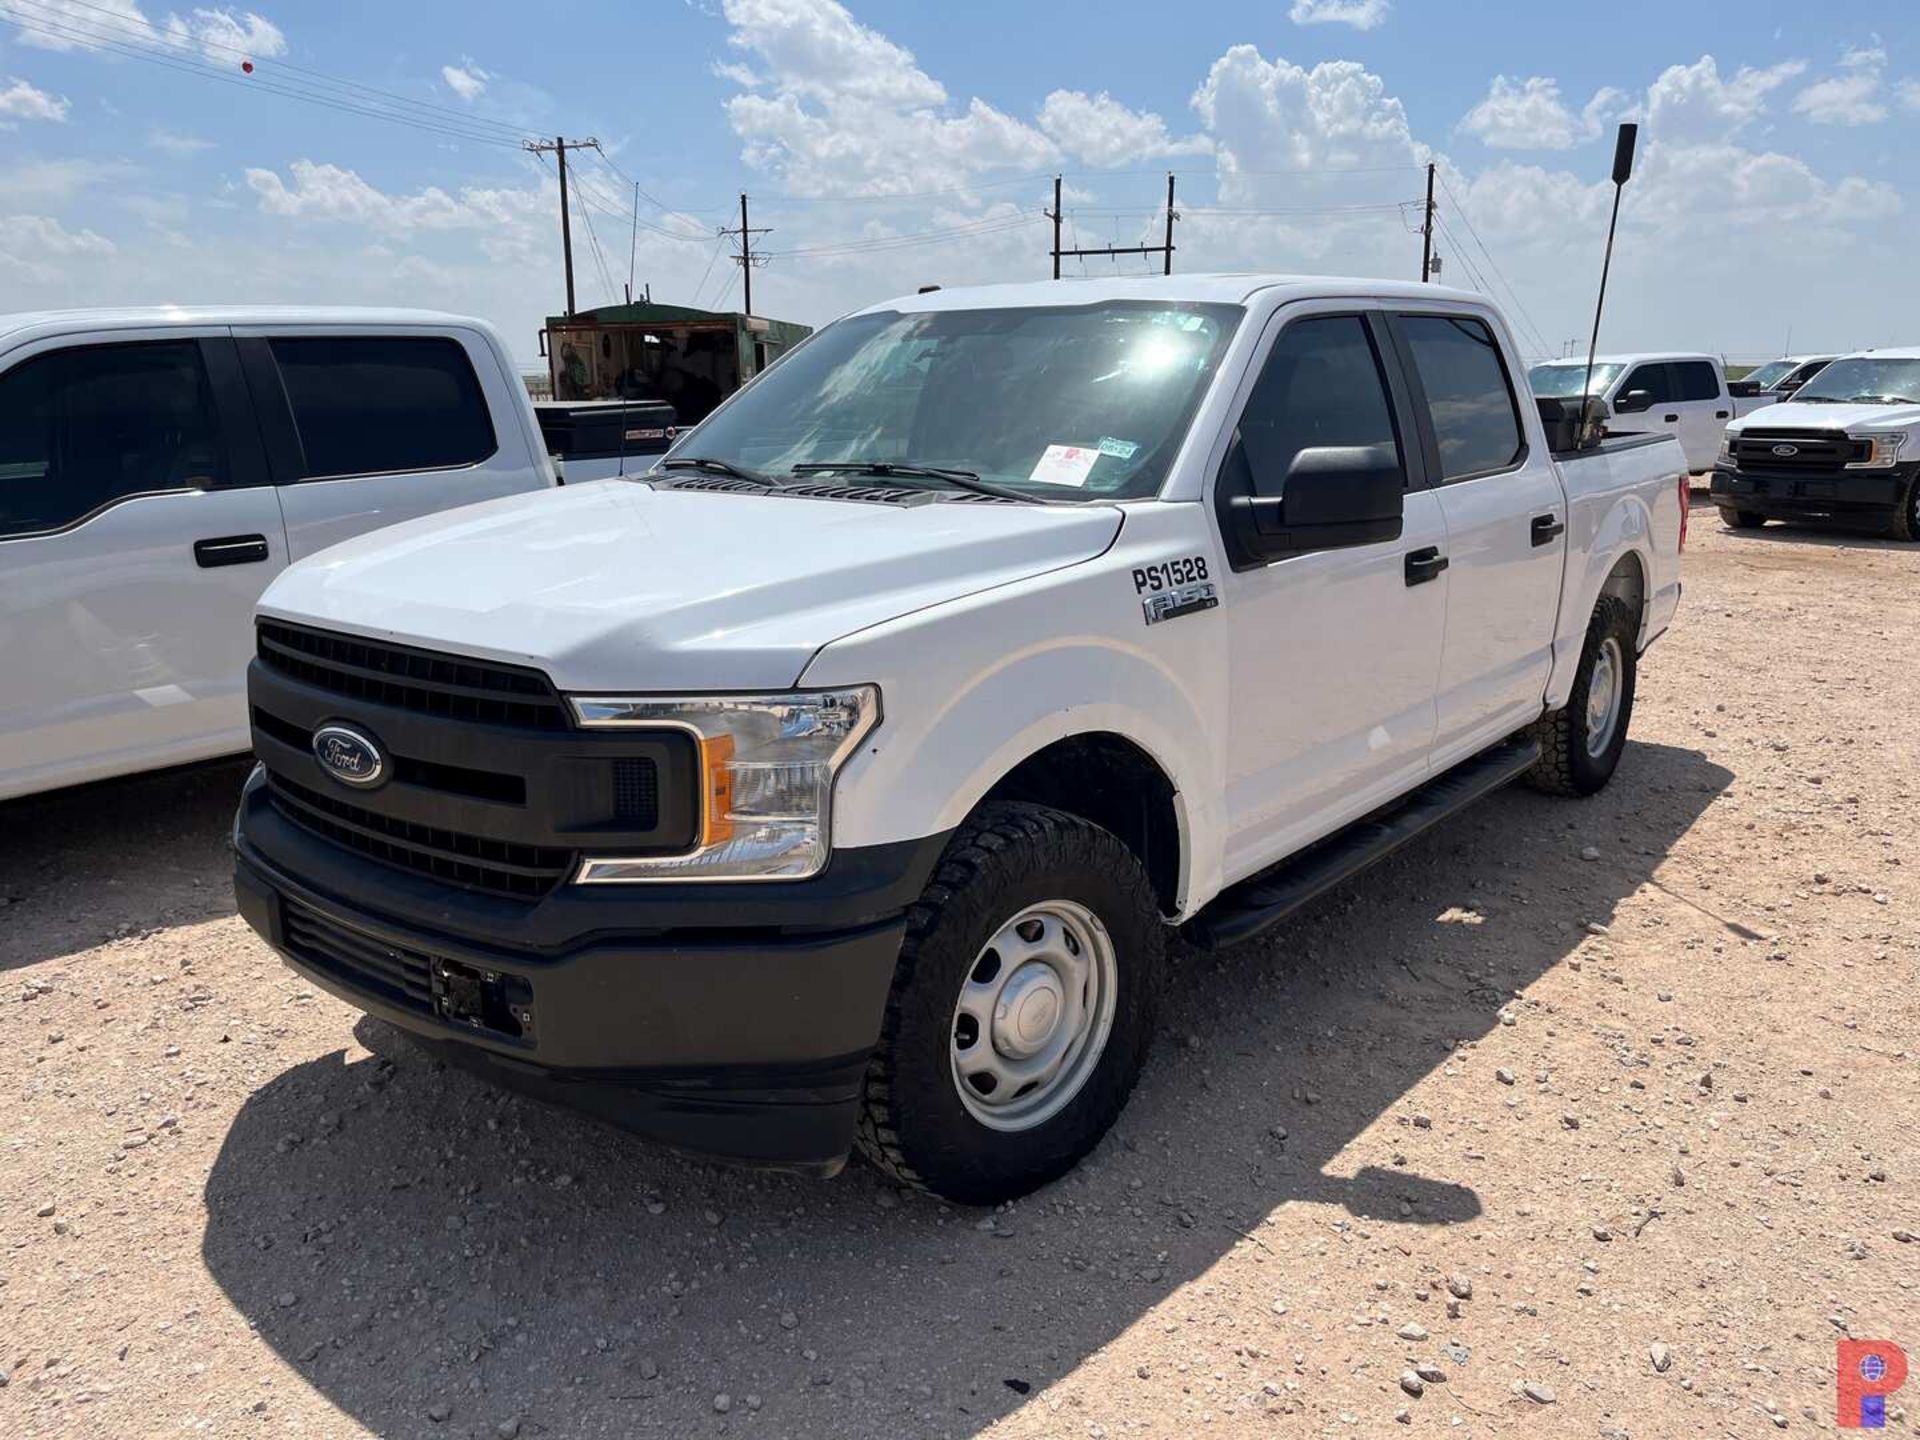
pixel 716 764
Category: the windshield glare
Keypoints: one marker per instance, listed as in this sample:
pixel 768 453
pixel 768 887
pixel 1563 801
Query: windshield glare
pixel 1866 379
pixel 1560 380
pixel 1765 375
pixel 1068 402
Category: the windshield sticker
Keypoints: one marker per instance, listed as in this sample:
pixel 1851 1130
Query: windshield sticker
pixel 1119 449
pixel 1065 465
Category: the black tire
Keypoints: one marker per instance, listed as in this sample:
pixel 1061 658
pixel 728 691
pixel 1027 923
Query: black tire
pixel 1906 515
pixel 913 1124
pixel 1566 765
pixel 1740 519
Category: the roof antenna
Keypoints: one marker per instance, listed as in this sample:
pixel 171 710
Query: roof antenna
pixel 1622 172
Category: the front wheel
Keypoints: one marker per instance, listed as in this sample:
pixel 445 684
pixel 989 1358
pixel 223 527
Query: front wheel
pixel 1580 744
pixel 1906 515
pixel 1735 519
pixel 1021 1010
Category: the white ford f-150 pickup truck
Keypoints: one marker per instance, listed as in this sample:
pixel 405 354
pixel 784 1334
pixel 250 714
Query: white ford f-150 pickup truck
pixel 1669 393
pixel 842 780
pixel 1846 447
pixel 159 466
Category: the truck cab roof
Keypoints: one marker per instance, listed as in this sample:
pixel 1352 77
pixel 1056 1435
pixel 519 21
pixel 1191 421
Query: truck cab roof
pixel 1227 288
pixel 25 326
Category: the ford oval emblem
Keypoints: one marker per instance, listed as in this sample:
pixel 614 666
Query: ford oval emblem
pixel 1785 450
pixel 348 755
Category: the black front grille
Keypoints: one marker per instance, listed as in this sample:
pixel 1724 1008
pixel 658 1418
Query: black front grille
pixel 405 977
pixel 1807 450
pixel 636 794
pixel 475 862
pixel 449 686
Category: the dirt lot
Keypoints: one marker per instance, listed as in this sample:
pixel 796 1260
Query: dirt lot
pixel 1615 1100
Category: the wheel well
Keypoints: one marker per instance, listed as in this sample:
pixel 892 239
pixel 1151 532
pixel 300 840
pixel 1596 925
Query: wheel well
pixel 1114 783
pixel 1628 582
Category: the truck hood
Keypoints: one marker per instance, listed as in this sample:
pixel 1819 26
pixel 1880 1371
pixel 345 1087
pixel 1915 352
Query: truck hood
pixel 1854 419
pixel 620 586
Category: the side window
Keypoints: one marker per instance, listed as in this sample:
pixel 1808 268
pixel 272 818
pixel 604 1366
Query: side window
pixel 1808 371
pixel 84 427
pixel 1695 380
pixel 371 405
pixel 1469 397
pixel 1653 380
pixel 1321 386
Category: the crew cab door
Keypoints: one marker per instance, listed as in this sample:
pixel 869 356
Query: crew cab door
pixel 1333 649
pixel 136 532
pixel 1505 515
pixel 368 427
pixel 1705 407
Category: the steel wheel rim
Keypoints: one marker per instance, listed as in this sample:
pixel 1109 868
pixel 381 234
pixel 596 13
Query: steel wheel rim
pixel 1603 697
pixel 1033 1015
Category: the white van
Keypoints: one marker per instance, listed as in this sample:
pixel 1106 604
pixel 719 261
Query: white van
pixel 159 466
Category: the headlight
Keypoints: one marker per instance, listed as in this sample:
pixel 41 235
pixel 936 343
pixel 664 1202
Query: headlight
pixel 767 764
pixel 1882 451
pixel 1726 449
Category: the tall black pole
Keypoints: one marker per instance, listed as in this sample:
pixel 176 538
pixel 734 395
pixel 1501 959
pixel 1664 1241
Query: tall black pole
pixel 566 225
pixel 1426 232
pixel 746 256
pixel 1169 269
pixel 1056 227
pixel 1622 172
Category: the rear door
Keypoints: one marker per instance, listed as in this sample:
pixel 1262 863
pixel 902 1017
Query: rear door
pixel 1660 417
pixel 1333 653
pixel 1700 397
pixel 137 529
pixel 1505 517
pixel 367 427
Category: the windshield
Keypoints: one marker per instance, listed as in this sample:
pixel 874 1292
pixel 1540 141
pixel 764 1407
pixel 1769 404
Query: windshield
pixel 1864 379
pixel 1062 403
pixel 1762 376
pixel 1560 380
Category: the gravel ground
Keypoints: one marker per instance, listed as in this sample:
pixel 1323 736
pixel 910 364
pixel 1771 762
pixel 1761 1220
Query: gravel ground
pixel 1598 1116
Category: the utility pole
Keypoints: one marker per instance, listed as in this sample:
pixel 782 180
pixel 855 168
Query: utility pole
pixel 1426 232
pixel 1164 250
pixel 1054 215
pixel 746 259
pixel 1170 219
pixel 633 240
pixel 558 146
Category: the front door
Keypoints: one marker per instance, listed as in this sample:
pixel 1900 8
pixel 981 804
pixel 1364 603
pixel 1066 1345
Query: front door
pixel 1333 653
pixel 136 533
pixel 1704 408
pixel 1506 519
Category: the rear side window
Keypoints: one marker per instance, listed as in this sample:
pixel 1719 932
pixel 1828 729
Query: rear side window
pixel 371 405
pixel 1475 420
pixel 82 428
pixel 1321 386
pixel 1653 380
pixel 1695 380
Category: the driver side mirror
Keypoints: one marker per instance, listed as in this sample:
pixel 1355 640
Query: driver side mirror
pixel 1633 402
pixel 1331 497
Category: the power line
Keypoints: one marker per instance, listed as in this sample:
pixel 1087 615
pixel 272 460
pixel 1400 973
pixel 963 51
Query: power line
pixel 1518 303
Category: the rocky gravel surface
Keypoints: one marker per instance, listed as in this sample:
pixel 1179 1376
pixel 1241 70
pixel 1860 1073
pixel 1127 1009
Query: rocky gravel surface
pixel 1573 1119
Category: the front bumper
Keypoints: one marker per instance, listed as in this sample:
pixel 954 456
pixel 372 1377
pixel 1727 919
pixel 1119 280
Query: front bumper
pixel 1786 495
pixel 731 1020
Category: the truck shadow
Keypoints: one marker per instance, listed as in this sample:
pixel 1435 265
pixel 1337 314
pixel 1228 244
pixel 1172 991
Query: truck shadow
pixel 407 1237
pixel 80 866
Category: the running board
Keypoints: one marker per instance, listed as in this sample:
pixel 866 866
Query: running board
pixel 1244 910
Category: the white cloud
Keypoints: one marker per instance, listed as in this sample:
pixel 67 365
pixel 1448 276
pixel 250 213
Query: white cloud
pixel 816 49
pixel 1694 103
pixel 1101 131
pixel 1361 14
pixel 1530 115
pixel 333 193
pixel 1852 96
pixel 1909 92
pixel 222 37
pixel 467 80
pixel 21 101
pixel 36 248
pixel 176 143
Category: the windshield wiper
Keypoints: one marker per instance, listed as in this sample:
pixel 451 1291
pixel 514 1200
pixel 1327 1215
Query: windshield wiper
pixel 906 469
pixel 718 467
pixel 1883 400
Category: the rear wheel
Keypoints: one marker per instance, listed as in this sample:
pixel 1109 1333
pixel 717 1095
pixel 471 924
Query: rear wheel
pixel 1021 1010
pixel 1906 516
pixel 1741 519
pixel 1581 744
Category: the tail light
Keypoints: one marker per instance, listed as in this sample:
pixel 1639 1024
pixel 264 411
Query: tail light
pixel 1686 507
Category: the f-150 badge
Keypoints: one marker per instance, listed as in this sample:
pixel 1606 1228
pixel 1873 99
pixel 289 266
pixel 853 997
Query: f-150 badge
pixel 1180 600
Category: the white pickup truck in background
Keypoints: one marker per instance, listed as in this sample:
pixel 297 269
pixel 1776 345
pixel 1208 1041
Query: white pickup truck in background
pixel 159 467
pixel 841 781
pixel 1669 393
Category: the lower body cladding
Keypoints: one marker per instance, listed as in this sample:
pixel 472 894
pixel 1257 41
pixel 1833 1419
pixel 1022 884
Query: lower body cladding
pixel 1876 497
pixel 707 1021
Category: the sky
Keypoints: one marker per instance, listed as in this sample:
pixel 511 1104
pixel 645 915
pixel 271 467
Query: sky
pixel 360 153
